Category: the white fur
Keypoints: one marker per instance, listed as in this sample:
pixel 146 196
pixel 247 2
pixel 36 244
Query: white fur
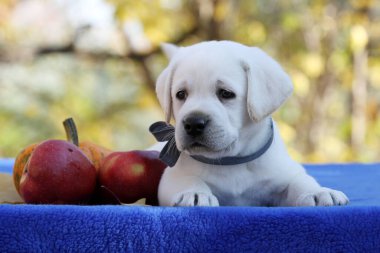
pixel 237 127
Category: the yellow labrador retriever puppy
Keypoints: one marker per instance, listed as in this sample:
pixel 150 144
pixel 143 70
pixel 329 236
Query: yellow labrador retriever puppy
pixel 221 95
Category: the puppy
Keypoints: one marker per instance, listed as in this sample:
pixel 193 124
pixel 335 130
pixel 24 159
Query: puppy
pixel 221 95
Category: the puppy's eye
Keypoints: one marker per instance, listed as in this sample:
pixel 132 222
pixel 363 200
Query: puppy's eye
pixel 226 94
pixel 181 95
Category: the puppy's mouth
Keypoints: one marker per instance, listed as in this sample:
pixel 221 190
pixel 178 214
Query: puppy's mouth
pixel 213 143
pixel 201 148
pixel 197 146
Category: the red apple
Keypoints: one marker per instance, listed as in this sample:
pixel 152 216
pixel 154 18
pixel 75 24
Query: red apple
pixel 132 175
pixel 57 172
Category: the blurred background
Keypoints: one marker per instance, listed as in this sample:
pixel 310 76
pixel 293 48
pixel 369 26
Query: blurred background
pixel 97 61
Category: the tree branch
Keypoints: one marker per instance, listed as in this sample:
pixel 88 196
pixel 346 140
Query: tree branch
pixel 139 58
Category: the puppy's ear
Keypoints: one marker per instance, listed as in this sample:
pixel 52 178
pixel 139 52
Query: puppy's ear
pixel 169 49
pixel 164 81
pixel 163 91
pixel 268 84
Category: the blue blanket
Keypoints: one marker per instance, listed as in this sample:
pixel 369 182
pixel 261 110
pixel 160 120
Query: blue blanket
pixel 68 228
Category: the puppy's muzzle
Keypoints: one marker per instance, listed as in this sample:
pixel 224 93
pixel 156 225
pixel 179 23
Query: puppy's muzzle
pixel 195 124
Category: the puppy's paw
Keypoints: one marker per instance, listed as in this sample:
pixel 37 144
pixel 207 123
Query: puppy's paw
pixel 323 197
pixel 195 199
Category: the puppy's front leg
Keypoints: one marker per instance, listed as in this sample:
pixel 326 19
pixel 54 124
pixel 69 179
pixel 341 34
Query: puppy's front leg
pixel 305 191
pixel 178 189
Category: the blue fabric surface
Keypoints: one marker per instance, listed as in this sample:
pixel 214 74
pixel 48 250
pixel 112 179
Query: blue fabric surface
pixel 6 165
pixel 353 228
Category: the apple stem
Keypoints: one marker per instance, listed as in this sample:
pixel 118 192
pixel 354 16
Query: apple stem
pixel 71 131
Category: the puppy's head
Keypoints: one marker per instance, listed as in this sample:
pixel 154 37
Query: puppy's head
pixel 213 90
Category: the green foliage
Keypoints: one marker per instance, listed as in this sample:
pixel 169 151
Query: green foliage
pixel 107 101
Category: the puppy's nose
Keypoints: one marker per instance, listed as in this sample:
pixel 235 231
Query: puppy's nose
pixel 195 125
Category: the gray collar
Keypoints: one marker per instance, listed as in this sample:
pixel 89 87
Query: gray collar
pixel 163 131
